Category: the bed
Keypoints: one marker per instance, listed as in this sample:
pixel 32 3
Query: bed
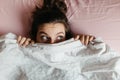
pixel 95 17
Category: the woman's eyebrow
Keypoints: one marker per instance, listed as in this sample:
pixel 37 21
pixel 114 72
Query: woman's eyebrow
pixel 60 33
pixel 41 32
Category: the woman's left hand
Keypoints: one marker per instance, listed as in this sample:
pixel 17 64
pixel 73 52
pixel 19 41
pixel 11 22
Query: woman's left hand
pixel 85 39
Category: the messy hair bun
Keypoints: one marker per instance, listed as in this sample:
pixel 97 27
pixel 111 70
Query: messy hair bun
pixel 55 4
pixel 53 11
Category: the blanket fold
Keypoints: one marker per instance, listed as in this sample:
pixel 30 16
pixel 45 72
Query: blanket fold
pixel 68 60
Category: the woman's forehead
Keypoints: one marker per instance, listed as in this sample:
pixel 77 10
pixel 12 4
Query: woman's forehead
pixel 52 27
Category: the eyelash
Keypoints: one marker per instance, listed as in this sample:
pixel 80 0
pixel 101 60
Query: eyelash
pixel 60 37
pixel 47 40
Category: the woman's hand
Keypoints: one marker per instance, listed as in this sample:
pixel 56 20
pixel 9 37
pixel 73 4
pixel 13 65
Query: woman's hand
pixel 24 41
pixel 85 39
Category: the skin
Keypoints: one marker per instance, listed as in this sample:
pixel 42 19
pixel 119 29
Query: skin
pixel 85 39
pixel 52 33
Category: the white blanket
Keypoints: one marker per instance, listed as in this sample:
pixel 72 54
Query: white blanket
pixel 68 60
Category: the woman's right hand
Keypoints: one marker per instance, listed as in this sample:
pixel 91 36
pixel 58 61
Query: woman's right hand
pixel 23 41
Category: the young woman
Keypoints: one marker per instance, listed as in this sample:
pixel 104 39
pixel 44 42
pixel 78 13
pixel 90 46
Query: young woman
pixel 50 25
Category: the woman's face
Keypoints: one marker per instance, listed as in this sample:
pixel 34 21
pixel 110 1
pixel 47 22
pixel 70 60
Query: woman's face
pixel 51 33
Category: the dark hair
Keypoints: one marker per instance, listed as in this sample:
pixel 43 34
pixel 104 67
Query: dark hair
pixel 53 11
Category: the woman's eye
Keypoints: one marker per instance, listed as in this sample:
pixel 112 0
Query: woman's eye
pixel 60 38
pixel 44 38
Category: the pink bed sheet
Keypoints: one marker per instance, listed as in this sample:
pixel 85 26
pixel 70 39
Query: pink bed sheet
pixel 94 17
pixel 15 15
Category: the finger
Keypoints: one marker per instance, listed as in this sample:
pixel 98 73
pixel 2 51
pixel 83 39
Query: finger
pixel 22 41
pixel 28 39
pixel 82 38
pixel 87 40
pixel 32 42
pixel 26 43
pixel 77 37
pixel 91 38
pixel 19 38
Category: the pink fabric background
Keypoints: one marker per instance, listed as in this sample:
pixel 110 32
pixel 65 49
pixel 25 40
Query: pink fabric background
pixel 96 17
pixel 15 15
